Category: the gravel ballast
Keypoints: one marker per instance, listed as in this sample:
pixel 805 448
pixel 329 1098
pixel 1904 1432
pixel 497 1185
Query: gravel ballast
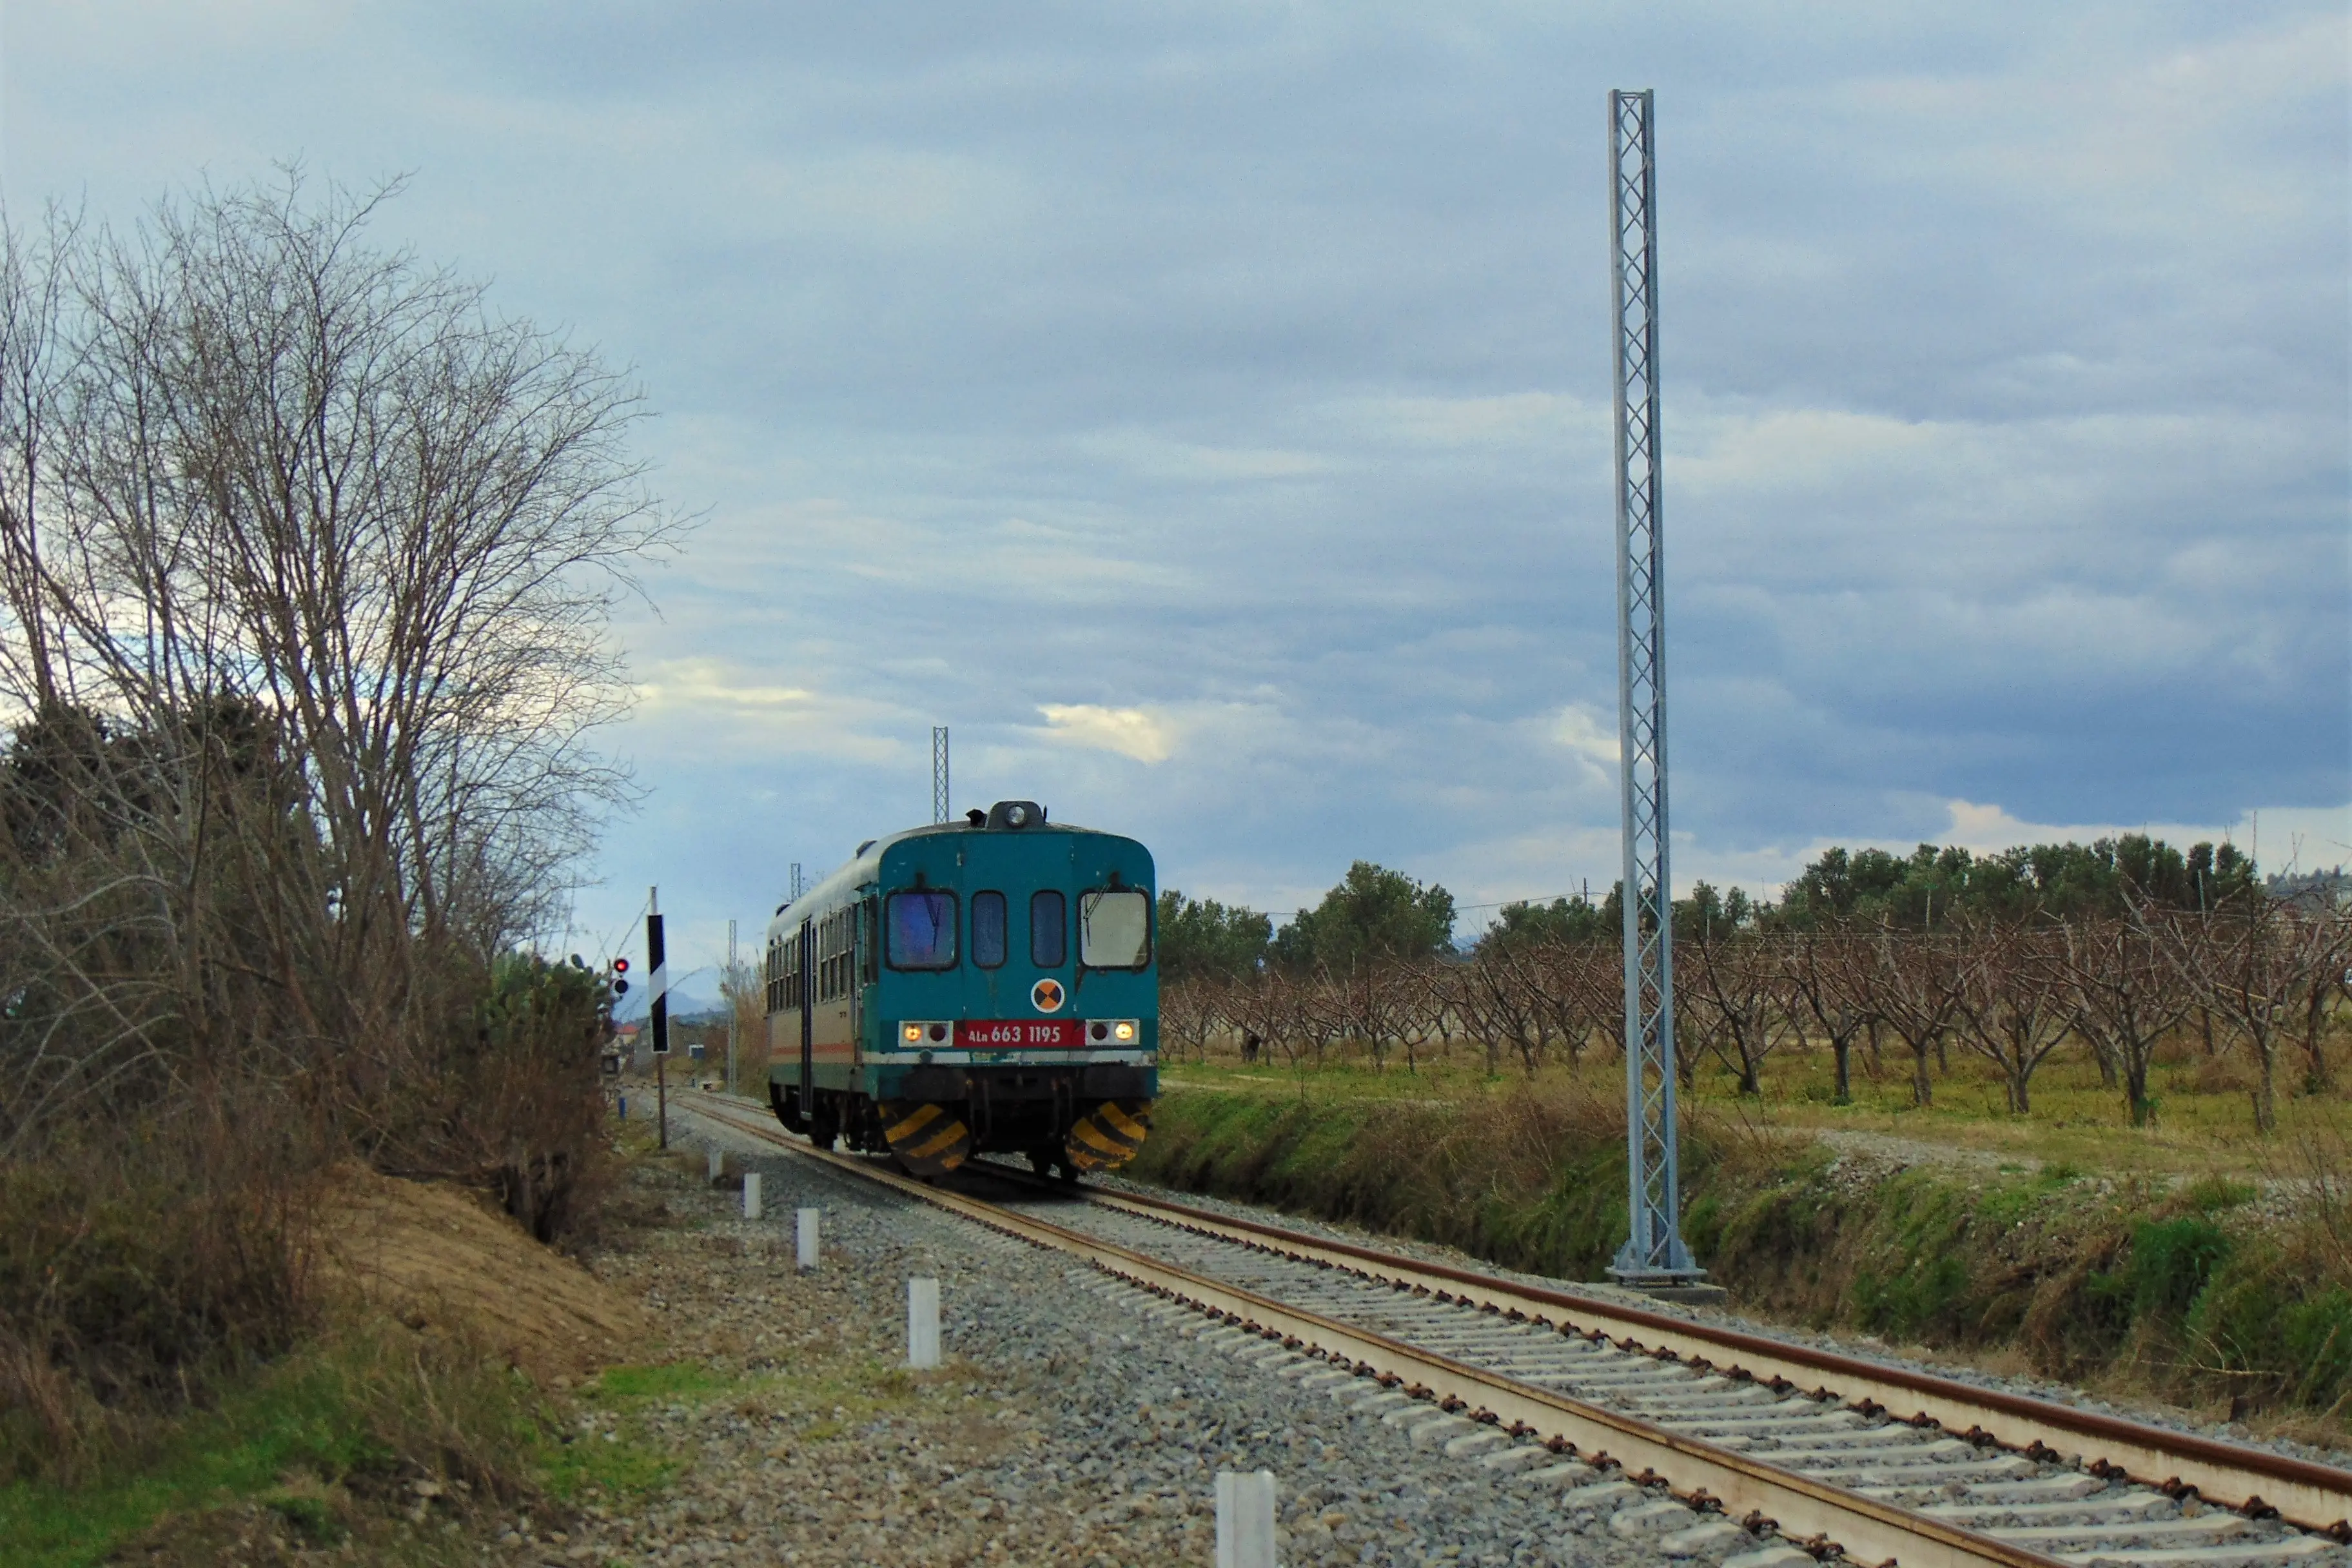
pixel 1860 1347
pixel 1077 1420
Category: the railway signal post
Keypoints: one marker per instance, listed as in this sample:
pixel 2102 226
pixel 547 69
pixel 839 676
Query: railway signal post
pixel 1655 1257
pixel 658 1009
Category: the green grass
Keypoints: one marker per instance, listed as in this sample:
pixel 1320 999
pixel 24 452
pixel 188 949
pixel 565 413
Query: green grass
pixel 310 1413
pixel 580 1462
pixel 288 1434
pixel 617 1454
pixel 2144 1283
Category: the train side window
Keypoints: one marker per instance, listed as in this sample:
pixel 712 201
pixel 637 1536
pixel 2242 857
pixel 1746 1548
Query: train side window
pixel 919 930
pixel 1049 936
pixel 988 929
pixel 871 961
pixel 1114 929
pixel 828 966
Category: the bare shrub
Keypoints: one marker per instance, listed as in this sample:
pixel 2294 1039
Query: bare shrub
pixel 307 561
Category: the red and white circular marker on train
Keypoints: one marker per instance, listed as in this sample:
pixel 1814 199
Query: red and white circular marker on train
pixel 1047 995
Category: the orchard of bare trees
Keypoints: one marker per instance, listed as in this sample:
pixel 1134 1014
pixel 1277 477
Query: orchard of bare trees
pixel 2114 979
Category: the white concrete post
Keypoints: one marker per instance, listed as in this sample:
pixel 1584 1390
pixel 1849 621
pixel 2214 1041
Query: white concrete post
pixel 750 1195
pixel 717 1166
pixel 923 1324
pixel 1246 1520
pixel 804 1235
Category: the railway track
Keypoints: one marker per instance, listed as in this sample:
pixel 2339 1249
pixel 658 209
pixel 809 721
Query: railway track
pixel 1705 1440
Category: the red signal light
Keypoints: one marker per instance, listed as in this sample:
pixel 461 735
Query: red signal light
pixel 620 966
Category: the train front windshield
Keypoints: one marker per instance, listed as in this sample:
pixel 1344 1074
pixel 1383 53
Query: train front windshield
pixel 921 931
pixel 1114 929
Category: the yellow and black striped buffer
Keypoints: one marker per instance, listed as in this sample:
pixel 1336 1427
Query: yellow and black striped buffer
pixel 927 1140
pixel 1108 1135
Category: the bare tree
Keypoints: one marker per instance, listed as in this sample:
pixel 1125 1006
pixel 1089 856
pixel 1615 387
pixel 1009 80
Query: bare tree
pixel 2011 1004
pixel 1193 1011
pixel 1534 1013
pixel 2258 966
pixel 1418 1006
pixel 2328 976
pixel 1736 979
pixel 1829 979
pixel 312 556
pixel 307 565
pixel 1271 1013
pixel 1916 988
pixel 1482 998
pixel 2130 988
pixel 1564 1004
pixel 1595 974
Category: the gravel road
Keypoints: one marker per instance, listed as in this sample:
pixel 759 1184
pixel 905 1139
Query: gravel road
pixel 1067 1427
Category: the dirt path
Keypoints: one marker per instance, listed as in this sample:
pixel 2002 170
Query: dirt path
pixel 1896 1153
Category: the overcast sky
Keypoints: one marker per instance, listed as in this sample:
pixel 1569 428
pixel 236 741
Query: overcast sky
pixel 1203 409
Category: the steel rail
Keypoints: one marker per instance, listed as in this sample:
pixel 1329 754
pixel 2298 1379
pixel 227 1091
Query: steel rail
pixel 1865 1529
pixel 2254 1481
pixel 2251 1480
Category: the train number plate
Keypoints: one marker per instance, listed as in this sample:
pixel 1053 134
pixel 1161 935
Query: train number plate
pixel 991 1035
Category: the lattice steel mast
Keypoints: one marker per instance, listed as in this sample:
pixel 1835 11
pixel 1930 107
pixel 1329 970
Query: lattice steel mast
pixel 940 806
pixel 1653 1254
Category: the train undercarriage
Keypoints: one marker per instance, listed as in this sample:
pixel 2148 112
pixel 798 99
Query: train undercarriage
pixel 1068 1120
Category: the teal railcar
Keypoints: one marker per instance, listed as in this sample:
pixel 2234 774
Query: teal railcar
pixel 988 985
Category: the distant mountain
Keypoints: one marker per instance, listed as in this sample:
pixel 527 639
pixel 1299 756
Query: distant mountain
pixel 686 1005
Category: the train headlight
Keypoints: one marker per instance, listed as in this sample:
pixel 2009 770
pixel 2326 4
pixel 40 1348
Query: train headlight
pixel 1123 1030
pixel 911 1032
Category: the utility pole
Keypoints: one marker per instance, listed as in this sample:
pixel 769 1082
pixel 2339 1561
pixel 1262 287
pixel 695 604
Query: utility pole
pixel 658 1013
pixel 940 806
pixel 1654 1257
pixel 727 991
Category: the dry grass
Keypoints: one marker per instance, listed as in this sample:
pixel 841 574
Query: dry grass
pixel 2204 1124
pixel 2221 1292
pixel 441 1261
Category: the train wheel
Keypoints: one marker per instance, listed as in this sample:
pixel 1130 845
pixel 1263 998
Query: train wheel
pixel 925 1138
pixel 823 1123
pixel 1106 1136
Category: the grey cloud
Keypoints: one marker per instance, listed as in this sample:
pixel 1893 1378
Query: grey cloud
pixel 1247 368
